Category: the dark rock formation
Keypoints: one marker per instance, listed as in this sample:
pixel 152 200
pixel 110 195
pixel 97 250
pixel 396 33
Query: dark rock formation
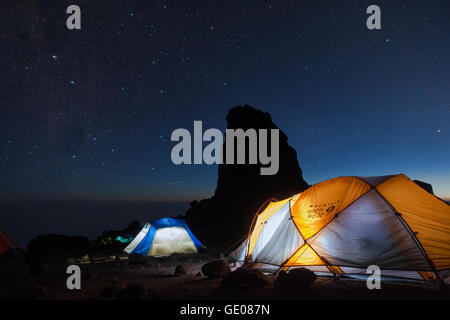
pixel 15 260
pixel 244 278
pixel 57 244
pixel 241 189
pixel 107 241
pixel 216 269
pixel 54 249
pixel 424 185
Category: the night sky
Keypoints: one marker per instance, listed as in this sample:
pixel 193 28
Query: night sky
pixel 88 114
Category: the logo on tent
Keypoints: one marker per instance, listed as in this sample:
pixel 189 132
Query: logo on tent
pixel 319 210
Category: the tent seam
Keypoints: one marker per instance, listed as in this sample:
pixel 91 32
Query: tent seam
pixel 411 233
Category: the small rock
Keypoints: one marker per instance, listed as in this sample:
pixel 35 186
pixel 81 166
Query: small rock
pixel 132 292
pixel 216 269
pixel 244 278
pixel 182 269
pixel 294 282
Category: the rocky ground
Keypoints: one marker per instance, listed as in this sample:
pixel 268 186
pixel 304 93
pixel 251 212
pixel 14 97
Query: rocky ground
pixel 181 277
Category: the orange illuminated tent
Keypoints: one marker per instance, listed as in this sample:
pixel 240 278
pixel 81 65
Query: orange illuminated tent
pixel 344 225
pixel 6 243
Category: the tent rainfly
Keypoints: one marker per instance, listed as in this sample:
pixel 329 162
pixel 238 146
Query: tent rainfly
pixel 6 243
pixel 164 237
pixel 344 225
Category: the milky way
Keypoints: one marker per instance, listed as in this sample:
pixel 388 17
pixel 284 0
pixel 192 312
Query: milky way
pixel 88 113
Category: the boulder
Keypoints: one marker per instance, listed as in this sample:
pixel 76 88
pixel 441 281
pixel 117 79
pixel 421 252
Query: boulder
pixel 244 278
pixel 294 282
pixel 216 269
pixel 59 245
pixel 241 189
pixel 182 269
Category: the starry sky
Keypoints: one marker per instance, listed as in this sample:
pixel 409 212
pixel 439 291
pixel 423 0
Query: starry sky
pixel 88 114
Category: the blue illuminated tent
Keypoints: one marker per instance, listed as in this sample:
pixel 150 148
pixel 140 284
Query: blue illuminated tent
pixel 164 237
